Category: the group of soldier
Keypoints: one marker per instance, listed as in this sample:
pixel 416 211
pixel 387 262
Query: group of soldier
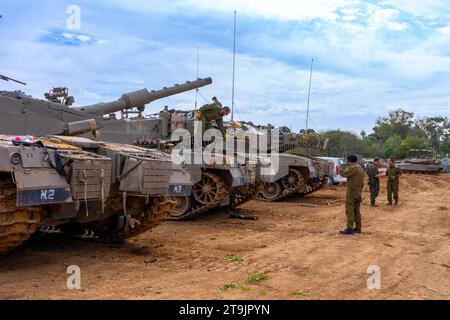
pixel 354 173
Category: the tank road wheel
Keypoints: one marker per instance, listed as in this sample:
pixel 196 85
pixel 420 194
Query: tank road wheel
pixel 182 206
pixel 16 224
pixel 293 181
pixel 208 190
pixel 271 190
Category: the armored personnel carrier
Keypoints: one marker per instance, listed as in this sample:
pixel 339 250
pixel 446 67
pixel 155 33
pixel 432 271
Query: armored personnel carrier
pixel 214 185
pixel 421 161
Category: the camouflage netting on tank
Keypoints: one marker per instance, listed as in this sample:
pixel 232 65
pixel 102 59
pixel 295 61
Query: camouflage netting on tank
pixel 303 144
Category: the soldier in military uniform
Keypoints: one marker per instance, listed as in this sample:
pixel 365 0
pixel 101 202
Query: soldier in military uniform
pixel 213 112
pixel 393 174
pixel 355 183
pixel 374 180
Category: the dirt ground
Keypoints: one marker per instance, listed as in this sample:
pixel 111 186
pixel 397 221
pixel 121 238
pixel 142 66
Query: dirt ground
pixel 297 247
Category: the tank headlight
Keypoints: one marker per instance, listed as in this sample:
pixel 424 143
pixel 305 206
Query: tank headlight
pixel 16 158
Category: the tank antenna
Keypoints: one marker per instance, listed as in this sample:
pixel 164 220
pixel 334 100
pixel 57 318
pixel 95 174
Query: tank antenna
pixel 196 90
pixel 234 68
pixel 309 95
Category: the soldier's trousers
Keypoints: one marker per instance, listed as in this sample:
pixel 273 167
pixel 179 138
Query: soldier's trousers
pixel 392 190
pixel 353 211
pixel 374 190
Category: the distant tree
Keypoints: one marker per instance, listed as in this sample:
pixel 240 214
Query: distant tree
pixel 392 145
pixel 398 122
pixel 341 143
pixel 310 131
pixel 436 129
pixel 370 148
pixel 393 137
pixel 445 147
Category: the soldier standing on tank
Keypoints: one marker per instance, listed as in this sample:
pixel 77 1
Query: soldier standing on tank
pixel 374 180
pixel 213 112
pixel 393 174
pixel 355 184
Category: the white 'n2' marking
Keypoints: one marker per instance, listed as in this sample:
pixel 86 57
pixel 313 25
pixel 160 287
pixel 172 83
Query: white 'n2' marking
pixel 48 194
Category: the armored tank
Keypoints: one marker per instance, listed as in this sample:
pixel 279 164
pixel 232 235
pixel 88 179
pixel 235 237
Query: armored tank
pixel 299 170
pixel 80 185
pixel 421 161
pixel 214 185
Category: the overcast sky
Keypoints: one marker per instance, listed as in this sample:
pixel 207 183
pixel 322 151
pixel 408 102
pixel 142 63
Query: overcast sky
pixel 370 56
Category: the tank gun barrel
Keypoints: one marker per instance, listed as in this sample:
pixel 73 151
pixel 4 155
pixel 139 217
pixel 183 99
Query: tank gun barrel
pixel 2 77
pixel 79 127
pixel 142 97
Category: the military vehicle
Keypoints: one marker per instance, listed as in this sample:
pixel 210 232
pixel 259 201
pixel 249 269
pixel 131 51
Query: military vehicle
pixel 299 170
pixel 421 161
pixel 78 184
pixel 214 184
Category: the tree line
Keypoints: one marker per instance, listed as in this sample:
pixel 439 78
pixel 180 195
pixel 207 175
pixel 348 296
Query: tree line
pixel 393 137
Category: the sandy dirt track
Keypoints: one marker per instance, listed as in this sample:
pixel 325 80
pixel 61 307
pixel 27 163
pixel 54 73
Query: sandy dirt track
pixel 298 247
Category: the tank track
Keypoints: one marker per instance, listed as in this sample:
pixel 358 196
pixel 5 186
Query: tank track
pixel 241 199
pixel 198 208
pixel 286 193
pixel 159 211
pixel 156 212
pixel 16 224
pixel 304 190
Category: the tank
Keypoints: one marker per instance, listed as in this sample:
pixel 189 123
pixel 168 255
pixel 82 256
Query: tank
pixel 422 161
pixel 81 186
pixel 300 171
pixel 213 185
pixel 78 185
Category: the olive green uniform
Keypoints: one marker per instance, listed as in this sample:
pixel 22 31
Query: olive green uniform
pixel 212 112
pixel 393 183
pixel 355 184
pixel 374 182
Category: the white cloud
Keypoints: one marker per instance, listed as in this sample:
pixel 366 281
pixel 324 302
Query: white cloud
pixel 379 18
pixel 445 30
pixel 275 9
pixel 269 9
pixel 429 9
pixel 349 18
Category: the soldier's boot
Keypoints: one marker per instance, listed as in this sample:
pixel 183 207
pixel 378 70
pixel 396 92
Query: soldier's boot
pixel 389 199
pixel 347 232
pixel 357 231
pixel 396 198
